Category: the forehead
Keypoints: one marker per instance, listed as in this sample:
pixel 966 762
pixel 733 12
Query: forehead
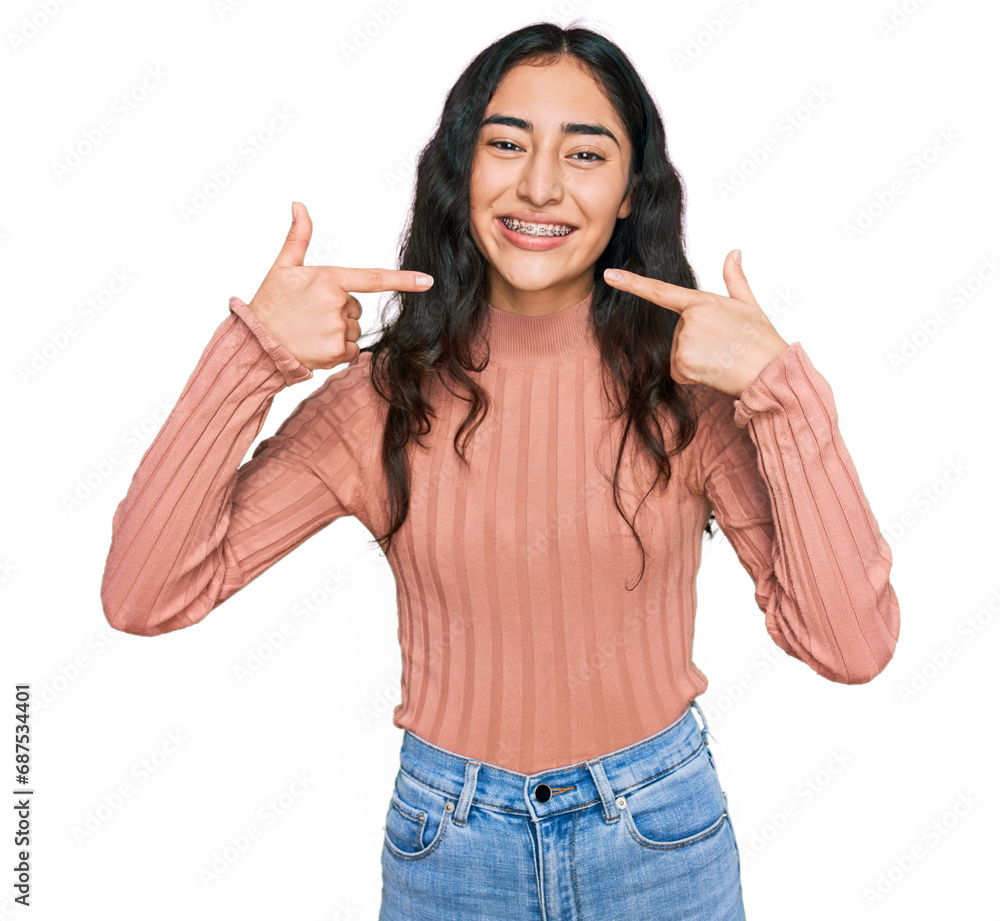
pixel 554 92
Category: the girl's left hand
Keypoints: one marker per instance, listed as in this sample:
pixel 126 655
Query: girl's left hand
pixel 720 341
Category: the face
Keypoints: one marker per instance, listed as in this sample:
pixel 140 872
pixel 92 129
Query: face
pixel 527 167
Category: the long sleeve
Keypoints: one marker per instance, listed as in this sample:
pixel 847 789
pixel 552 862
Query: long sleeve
pixel 787 496
pixel 194 528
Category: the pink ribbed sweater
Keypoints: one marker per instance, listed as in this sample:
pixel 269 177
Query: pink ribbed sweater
pixel 520 644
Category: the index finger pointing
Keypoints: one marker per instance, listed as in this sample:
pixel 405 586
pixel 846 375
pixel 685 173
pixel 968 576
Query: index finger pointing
pixel 673 297
pixel 369 280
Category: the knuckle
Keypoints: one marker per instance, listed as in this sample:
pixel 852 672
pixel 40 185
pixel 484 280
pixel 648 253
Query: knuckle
pixel 328 275
pixel 339 298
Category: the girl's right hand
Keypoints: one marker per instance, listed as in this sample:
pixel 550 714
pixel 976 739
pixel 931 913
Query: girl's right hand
pixel 309 310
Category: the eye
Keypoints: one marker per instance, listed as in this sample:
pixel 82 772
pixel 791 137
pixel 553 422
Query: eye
pixel 592 156
pixel 592 153
pixel 495 143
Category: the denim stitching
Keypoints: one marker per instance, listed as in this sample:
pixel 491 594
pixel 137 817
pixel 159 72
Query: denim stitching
pixel 654 777
pixel 419 817
pixel 420 855
pixel 638 785
pixel 674 845
pixel 576 888
pixel 505 809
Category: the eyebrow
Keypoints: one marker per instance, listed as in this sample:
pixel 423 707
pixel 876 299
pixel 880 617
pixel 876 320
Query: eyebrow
pixel 566 127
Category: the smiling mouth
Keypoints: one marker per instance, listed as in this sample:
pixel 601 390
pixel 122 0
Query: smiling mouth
pixel 537 230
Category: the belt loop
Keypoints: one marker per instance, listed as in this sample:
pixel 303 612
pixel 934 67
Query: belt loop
pixel 704 723
pixel 468 791
pixel 604 788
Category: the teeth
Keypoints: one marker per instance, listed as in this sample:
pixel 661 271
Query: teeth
pixel 537 230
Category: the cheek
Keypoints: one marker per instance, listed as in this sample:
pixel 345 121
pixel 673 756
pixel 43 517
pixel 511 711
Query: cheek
pixel 482 177
pixel 610 206
pixel 476 220
pixel 608 200
pixel 601 216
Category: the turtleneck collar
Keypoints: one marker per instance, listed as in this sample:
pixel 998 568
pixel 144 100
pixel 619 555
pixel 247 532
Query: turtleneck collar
pixel 531 342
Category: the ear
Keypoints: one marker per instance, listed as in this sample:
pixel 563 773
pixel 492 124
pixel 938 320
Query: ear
pixel 626 206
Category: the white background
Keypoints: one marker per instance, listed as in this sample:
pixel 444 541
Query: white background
pixel 321 704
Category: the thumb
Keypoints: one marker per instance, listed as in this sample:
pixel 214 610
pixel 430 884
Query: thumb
pixel 293 252
pixel 736 280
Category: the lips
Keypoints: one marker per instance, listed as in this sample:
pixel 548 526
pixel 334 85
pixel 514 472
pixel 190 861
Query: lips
pixel 547 221
pixel 533 243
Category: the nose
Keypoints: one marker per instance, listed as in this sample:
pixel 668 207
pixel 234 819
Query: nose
pixel 541 181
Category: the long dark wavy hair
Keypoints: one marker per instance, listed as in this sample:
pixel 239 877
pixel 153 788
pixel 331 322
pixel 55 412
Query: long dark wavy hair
pixel 433 332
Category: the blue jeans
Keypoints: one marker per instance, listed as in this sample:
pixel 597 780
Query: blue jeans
pixel 638 834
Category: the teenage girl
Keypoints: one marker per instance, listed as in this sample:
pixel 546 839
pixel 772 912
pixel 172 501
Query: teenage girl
pixel 538 440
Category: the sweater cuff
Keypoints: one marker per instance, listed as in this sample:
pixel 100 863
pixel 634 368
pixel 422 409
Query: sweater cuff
pixel 290 367
pixel 773 386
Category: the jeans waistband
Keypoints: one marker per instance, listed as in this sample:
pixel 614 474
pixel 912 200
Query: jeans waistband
pixel 555 790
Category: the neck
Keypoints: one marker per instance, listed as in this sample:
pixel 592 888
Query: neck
pixel 504 297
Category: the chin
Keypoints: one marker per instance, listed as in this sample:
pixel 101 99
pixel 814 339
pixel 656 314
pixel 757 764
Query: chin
pixel 535 281
pixel 534 274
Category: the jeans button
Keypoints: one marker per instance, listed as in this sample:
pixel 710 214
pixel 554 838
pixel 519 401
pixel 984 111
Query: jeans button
pixel 542 792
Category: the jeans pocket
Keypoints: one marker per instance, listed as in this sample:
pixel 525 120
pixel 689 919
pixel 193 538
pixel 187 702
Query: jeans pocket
pixel 677 808
pixel 417 818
